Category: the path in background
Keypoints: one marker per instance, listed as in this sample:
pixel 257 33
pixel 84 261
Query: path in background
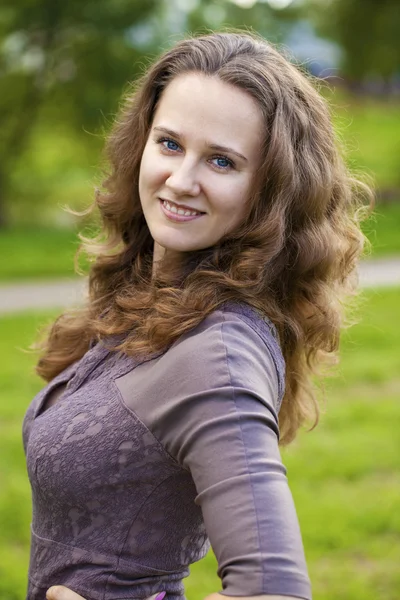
pixel 69 292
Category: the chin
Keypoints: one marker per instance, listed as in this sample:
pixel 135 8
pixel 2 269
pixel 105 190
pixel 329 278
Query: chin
pixel 183 246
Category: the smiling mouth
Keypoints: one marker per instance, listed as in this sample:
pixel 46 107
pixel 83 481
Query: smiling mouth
pixel 179 217
pixel 179 210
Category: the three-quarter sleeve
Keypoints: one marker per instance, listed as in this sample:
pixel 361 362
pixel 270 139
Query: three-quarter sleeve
pixel 216 414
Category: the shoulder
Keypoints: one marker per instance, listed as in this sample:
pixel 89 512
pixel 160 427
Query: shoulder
pixel 233 343
pixel 230 348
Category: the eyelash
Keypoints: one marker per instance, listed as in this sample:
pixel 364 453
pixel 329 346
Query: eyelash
pixel 230 165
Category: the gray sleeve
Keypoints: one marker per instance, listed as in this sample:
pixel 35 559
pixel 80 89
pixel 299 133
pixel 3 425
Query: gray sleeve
pixel 211 401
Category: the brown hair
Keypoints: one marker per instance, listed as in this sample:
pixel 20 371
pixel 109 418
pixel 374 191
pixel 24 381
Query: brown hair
pixel 293 258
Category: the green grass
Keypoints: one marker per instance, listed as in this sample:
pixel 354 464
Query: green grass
pixel 370 130
pixel 344 475
pixel 37 253
pixel 48 253
pixel 383 230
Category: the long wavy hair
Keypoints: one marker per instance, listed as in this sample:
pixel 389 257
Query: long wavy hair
pixel 293 258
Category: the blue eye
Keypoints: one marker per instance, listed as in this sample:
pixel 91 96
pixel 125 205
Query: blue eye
pixel 171 145
pixel 223 163
pixel 168 144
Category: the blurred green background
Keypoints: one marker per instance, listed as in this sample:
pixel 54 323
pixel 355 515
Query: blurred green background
pixel 63 68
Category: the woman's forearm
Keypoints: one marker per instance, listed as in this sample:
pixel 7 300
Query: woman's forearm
pixel 217 596
pixel 60 592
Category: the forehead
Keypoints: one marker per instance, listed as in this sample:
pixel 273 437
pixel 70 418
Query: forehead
pixel 205 107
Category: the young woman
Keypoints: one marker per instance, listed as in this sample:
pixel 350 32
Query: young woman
pixel 230 241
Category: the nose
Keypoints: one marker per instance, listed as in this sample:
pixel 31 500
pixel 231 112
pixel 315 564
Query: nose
pixel 183 180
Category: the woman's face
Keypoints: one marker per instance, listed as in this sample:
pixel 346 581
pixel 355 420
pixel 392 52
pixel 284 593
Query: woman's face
pixel 202 152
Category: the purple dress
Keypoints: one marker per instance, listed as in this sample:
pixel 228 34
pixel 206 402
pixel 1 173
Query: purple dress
pixel 140 465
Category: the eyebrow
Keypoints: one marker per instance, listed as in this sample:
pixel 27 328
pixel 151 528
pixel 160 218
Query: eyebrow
pixel 217 147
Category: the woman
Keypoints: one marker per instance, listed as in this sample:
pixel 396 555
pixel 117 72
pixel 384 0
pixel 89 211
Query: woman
pixel 230 240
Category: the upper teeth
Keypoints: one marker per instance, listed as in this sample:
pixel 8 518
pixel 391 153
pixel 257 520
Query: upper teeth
pixel 179 211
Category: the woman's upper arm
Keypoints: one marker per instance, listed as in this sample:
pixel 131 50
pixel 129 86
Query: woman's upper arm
pixel 226 434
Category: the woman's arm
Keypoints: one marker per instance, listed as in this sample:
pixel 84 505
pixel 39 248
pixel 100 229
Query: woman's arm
pixel 217 596
pixel 59 592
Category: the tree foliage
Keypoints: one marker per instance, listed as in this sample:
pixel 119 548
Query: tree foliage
pixel 366 30
pixel 69 58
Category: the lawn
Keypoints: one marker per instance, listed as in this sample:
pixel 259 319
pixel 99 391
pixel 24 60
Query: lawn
pixel 344 475
pixel 369 128
pixel 48 253
pixel 383 228
pixel 37 253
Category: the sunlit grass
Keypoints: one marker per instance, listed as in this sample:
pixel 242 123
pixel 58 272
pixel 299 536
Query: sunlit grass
pixel 37 253
pixel 370 129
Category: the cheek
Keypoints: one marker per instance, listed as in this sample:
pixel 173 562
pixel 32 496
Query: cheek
pixel 152 173
pixel 233 198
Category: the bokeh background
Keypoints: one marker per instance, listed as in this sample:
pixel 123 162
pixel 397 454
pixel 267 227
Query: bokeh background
pixel 63 68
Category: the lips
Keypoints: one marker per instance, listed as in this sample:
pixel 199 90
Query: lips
pixel 177 218
pixel 182 206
